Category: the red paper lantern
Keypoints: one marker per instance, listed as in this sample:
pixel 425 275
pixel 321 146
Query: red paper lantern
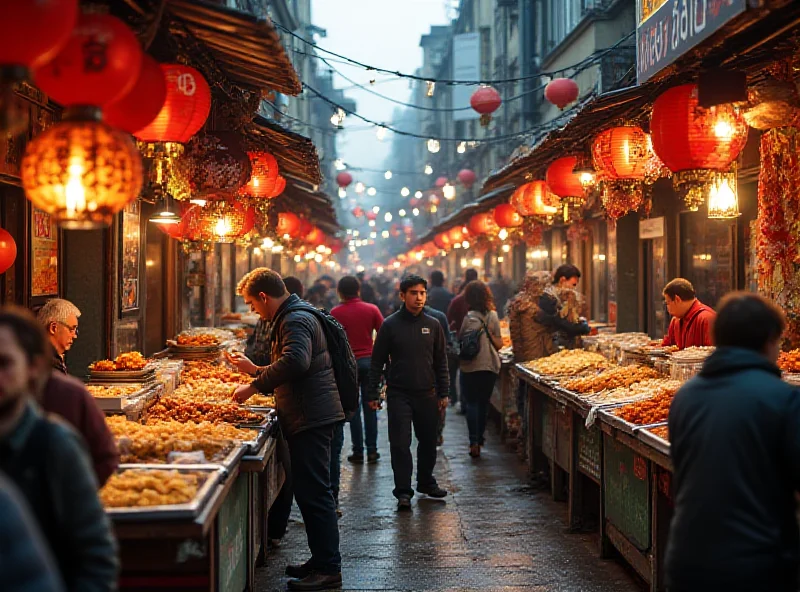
pixel 535 199
pixel 305 227
pixel 185 109
pixel 483 224
pixel 456 234
pixel 336 246
pixel 358 211
pixel 561 180
pixel 344 179
pixel 8 250
pixel 142 104
pixel 467 178
pixel 179 231
pixel 99 64
pixel 288 223
pixel 264 176
pixel 441 240
pixel 506 216
pixel 371 216
pixel 34 32
pixel 486 100
pixel 621 153
pixel 561 92
pixel 440 182
pixel 316 237
pixel 280 186
pixel 249 219
pixel 689 137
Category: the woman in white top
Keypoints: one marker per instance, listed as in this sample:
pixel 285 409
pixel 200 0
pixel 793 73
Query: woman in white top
pixel 479 374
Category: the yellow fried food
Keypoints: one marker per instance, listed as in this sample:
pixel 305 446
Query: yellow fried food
pixel 612 378
pixel 105 391
pixel 138 488
pixel 568 362
pixel 200 340
pixel 261 401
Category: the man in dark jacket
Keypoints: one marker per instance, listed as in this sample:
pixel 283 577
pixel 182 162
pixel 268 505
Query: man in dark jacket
pixel 308 405
pixel 46 460
pixel 439 297
pixel 735 435
pixel 412 346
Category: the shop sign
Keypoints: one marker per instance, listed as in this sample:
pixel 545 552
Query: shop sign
pixel 651 228
pixel 668 29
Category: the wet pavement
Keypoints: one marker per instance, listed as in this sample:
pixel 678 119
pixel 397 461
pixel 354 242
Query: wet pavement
pixel 490 534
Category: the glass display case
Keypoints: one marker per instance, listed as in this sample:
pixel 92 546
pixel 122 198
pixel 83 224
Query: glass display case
pixel 707 255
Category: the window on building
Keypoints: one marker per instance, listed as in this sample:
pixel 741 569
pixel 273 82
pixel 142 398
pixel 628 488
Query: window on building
pixel 560 18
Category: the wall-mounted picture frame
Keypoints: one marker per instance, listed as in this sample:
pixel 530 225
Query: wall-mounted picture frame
pixel 130 260
pixel 44 256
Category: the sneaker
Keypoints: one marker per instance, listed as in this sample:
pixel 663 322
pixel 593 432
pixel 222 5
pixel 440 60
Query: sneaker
pixel 356 458
pixel 317 581
pixel 475 451
pixel 373 457
pixel 434 491
pixel 299 571
pixel 404 502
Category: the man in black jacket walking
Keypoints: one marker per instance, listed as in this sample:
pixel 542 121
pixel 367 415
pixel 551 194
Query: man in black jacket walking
pixel 735 435
pixel 307 400
pixel 412 346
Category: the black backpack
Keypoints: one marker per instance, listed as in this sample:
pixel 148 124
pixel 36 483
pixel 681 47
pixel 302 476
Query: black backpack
pixel 343 360
pixel 469 344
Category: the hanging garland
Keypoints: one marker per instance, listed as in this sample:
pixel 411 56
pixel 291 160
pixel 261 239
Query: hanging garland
pixel 779 225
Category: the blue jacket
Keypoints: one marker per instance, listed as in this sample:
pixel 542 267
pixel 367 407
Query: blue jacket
pixel 735 444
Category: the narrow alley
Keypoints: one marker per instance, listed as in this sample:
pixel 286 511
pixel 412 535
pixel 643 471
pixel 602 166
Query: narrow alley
pixel 490 534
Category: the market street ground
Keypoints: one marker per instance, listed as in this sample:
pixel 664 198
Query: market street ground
pixel 491 534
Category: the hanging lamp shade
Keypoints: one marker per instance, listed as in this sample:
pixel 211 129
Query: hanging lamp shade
pixel 506 216
pixel 34 32
pixel 142 104
pixel 8 250
pixel 288 224
pixel 185 109
pixel 263 177
pixel 562 179
pixel 467 178
pixel 99 64
pixel 483 223
pixel 534 199
pixel 82 171
pixel 694 142
pixel 561 92
pixel 621 153
pixel 485 101
pixel 344 179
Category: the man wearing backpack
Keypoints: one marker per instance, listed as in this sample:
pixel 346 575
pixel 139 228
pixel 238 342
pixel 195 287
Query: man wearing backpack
pixel 307 400
pixel 412 346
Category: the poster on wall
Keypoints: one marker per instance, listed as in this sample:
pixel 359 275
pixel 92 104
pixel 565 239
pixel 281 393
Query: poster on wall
pixel 44 254
pixel 131 247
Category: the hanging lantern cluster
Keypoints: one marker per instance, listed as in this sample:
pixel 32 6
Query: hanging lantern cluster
pixel 620 156
pixel 695 143
pixel 485 101
pixel 535 199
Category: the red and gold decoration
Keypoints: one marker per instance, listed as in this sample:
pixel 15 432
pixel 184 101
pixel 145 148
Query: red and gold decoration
pixel 483 223
pixel 561 92
pixel 467 178
pixel 458 234
pixel 694 142
pixel 566 184
pixel 442 240
pixel 778 247
pixel 220 221
pixel 82 171
pixel 621 156
pixel 212 164
pixel 535 199
pixel 8 250
pixel 142 104
pixel 99 64
pixel 288 225
pixel 486 100
pixel 774 101
pixel 185 109
pixel 507 216
pixel 265 182
pixel 532 232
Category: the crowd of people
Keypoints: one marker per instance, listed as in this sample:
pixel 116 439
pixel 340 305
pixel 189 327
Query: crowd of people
pixel 733 429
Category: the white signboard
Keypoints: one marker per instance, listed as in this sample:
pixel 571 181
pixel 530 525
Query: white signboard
pixel 651 228
pixel 466 66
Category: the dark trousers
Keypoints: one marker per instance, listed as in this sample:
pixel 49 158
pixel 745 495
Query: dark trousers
pixel 422 411
pixel 370 428
pixel 336 458
pixel 476 390
pixel 310 453
pixel 278 518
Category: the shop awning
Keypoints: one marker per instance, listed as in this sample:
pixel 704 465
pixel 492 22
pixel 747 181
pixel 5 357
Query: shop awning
pixel 246 48
pixel 296 154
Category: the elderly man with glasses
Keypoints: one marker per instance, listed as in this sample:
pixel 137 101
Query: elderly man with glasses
pixel 60 319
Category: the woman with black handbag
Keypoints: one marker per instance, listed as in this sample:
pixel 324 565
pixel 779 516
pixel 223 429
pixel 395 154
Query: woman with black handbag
pixel 479 340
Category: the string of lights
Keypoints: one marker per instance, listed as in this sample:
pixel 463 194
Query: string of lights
pixel 351 61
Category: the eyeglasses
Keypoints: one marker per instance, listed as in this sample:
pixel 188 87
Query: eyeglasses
pixel 73 329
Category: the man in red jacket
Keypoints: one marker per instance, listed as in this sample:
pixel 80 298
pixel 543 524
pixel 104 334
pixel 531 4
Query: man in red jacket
pixel 691 319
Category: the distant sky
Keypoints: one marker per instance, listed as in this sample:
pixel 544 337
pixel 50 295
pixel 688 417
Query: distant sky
pixel 382 33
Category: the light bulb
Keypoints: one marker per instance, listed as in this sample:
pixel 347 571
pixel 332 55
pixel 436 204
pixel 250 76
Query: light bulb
pixel 396 264
pixel 418 194
pixel 74 191
pixel 268 243
pixel 476 262
pixel 360 187
pixel 379 269
pixel 434 209
pixel 372 223
pixel 380 133
pixel 385 234
pixel 506 248
pixel 198 202
pixel 462 148
pixel 433 146
pixel 339 164
pixel 277 249
pixel 342 193
pixel 449 191
pixel 222 227
pixel 503 234
pixel 500 259
pixel 372 192
pixel 465 244
pixel 431 88
pixel 297 258
pixel 405 192
pixel 402 213
pixel 723 129
pixel 373 235
pixel 388 217
pixel 387 175
pixel 318 258
pixel 428 169
pixel 376 209
pixel 415 211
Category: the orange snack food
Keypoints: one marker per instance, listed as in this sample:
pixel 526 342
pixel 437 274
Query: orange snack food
pixel 652 410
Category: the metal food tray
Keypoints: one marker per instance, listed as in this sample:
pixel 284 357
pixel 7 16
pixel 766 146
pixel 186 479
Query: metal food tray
pixel 233 457
pixel 115 376
pixel 647 437
pixel 264 423
pixel 607 416
pixel 118 404
pixel 188 511
pixel 261 435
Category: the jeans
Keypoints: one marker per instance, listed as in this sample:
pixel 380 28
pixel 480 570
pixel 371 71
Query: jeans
pixel 370 415
pixel 336 458
pixel 310 453
pixel 422 411
pixel 476 390
pixel 278 518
